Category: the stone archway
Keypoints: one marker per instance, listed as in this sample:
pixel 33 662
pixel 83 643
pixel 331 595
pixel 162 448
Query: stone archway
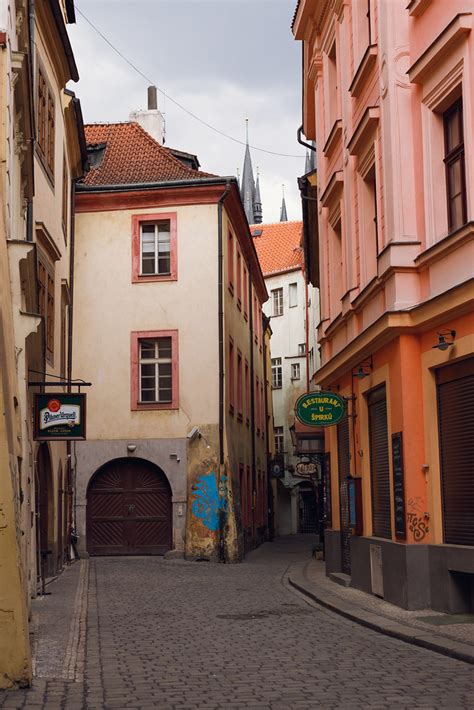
pixel 129 509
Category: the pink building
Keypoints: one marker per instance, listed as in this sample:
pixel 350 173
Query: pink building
pixel 388 100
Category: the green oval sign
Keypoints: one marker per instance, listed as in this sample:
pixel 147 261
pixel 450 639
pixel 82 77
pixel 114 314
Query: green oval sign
pixel 320 408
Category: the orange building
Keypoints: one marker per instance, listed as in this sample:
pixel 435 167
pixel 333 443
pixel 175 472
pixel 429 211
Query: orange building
pixel 388 233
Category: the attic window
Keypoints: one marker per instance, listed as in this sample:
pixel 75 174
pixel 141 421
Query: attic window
pixel 95 152
pixel 257 233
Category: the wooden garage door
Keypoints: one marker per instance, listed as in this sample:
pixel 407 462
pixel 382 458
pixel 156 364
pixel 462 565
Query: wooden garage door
pixel 129 510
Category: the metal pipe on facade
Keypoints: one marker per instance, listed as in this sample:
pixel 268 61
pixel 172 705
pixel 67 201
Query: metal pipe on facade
pixel 220 296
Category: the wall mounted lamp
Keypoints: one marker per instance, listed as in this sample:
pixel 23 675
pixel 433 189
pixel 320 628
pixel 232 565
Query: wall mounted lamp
pixel 363 370
pixel 445 339
pixel 131 448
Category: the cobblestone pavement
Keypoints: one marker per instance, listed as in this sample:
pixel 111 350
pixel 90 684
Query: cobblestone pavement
pixel 173 634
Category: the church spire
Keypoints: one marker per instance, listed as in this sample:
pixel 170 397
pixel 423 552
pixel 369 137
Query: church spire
pixel 283 215
pixel 249 192
pixel 257 211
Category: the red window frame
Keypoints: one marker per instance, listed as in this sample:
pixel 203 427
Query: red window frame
pixel 137 221
pixel 136 336
pixel 230 261
pixel 239 279
pixel 246 293
pixel 230 379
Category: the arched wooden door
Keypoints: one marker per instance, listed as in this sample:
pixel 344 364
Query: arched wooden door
pixel 129 510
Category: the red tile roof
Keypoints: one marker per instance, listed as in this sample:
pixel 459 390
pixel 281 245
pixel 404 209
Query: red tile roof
pixel 132 156
pixel 278 246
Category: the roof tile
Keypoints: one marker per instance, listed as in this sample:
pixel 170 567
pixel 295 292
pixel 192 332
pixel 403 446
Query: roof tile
pixel 278 246
pixel 132 156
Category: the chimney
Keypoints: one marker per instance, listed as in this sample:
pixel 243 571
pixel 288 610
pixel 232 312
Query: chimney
pixel 151 119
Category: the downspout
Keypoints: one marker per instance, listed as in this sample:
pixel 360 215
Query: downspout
pixel 301 141
pixel 306 309
pixel 31 32
pixel 252 401
pixel 222 556
pixel 269 514
pixel 72 469
pixel 220 297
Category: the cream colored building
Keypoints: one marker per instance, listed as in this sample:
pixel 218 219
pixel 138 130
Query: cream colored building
pixel 41 154
pixel 168 330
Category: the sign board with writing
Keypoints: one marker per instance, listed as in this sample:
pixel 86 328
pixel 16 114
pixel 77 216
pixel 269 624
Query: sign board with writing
pixel 60 417
pixel 306 469
pixel 320 409
pixel 398 486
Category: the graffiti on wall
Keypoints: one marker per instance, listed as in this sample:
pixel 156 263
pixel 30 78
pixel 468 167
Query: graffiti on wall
pixel 417 519
pixel 210 500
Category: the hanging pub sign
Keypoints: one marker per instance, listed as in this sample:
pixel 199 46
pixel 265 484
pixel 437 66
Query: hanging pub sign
pixel 306 469
pixel 60 417
pixel 320 408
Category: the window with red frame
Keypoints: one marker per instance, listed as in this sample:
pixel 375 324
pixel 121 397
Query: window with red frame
pixel 239 386
pixel 246 293
pixel 231 381
pixel 154 247
pixel 238 277
pixel 247 393
pixel 230 260
pixel 154 369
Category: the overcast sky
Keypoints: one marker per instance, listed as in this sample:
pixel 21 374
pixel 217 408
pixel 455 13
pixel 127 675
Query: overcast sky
pixel 223 60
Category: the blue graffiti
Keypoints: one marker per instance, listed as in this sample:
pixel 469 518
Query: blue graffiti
pixel 210 504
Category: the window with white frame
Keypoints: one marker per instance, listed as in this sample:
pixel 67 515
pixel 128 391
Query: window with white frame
pixel 277 377
pixel 302 349
pixel 155 370
pixel 155 248
pixel 277 302
pixel 293 295
pixel 279 440
pixel 295 371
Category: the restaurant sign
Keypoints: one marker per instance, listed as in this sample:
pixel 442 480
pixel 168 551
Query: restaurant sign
pixel 60 417
pixel 320 408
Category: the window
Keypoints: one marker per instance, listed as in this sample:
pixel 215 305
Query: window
pixel 155 369
pixel 276 373
pixel 154 253
pixel 230 379
pixel 302 349
pixel 46 304
pixel 63 358
pixel 332 87
pixel 293 295
pixel 279 443
pixel 295 371
pixel 262 410
pixel 277 302
pixel 65 194
pixel 246 293
pixel 230 260
pixel 368 221
pixel 239 386
pixel 247 393
pixel 255 318
pixel 454 162
pixel 239 280
pixel 45 129
pixel 257 405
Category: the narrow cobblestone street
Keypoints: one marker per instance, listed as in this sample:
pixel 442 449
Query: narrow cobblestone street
pixel 175 634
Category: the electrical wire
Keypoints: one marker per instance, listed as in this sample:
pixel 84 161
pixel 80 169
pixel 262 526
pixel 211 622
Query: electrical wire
pixel 170 98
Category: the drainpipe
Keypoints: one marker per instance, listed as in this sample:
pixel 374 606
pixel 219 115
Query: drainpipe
pixel 31 64
pixel 220 296
pixel 306 332
pixel 301 141
pixel 252 400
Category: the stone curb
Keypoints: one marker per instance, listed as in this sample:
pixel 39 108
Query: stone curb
pixel 447 647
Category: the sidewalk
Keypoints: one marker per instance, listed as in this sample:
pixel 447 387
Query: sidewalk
pixel 451 635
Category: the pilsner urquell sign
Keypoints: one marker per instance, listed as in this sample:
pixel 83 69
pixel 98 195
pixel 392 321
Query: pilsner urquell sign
pixel 60 417
pixel 320 408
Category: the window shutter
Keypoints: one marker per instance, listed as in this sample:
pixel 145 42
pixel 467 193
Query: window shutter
pixel 455 385
pixel 379 464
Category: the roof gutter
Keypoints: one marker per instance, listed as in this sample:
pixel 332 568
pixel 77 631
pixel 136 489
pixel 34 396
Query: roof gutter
pixel 61 27
pixel 129 187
